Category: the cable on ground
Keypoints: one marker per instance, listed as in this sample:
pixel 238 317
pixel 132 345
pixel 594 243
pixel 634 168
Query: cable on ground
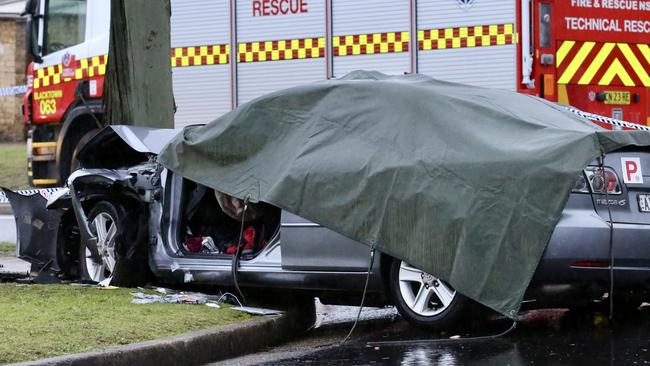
pixel 363 297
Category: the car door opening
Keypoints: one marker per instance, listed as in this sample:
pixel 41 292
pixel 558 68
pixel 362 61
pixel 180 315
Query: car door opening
pixel 211 223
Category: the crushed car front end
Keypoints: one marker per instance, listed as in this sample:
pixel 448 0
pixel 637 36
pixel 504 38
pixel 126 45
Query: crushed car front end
pixel 63 236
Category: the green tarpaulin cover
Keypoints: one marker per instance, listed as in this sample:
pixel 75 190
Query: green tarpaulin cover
pixel 463 182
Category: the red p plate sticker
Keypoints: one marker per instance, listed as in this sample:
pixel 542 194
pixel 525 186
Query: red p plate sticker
pixel 631 168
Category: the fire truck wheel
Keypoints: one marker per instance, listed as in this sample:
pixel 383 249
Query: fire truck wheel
pixel 107 221
pixel 424 300
pixel 74 161
pixel 75 139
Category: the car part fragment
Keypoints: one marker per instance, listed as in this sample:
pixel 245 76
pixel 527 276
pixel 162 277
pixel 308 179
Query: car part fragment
pixel 38 231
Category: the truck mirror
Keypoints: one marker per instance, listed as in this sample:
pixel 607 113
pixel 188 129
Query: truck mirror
pixel 30 7
pixel 32 39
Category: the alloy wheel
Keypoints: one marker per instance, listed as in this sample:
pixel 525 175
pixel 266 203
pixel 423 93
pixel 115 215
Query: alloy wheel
pixel 106 230
pixel 423 293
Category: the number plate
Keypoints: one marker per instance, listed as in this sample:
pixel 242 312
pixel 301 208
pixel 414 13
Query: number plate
pixel 617 97
pixel 644 202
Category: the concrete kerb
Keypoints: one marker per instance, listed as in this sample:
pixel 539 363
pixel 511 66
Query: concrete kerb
pixel 196 348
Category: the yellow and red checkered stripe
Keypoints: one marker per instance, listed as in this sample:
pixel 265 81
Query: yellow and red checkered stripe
pixel 290 49
pixel 305 48
pixel 462 37
pixel 371 43
pixel 378 43
pixel 348 45
pixel 604 64
pixel 90 67
pixel 201 55
pixel 46 76
pixel 84 68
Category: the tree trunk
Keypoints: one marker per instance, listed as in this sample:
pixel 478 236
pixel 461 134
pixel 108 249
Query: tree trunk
pixel 138 83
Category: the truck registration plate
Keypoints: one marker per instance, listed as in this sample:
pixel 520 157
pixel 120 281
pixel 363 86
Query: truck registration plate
pixel 617 97
pixel 644 202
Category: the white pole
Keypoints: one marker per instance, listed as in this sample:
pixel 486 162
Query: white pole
pixel 526 53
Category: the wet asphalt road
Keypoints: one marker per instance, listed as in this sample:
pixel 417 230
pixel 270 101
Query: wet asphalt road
pixel 546 337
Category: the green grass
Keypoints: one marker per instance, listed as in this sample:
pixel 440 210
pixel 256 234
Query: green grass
pixel 13 165
pixel 7 249
pixel 38 321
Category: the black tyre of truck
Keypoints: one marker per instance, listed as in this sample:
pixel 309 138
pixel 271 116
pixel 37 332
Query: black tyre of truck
pixel 108 221
pixel 81 130
pixel 426 301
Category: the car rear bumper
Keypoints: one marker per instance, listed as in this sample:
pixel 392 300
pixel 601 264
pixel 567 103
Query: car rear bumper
pixel 576 264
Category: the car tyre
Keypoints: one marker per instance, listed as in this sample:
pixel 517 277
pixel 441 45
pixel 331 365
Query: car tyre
pixel 106 222
pixel 424 300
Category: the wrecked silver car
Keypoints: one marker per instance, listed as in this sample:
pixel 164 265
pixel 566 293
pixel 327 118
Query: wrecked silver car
pixel 125 215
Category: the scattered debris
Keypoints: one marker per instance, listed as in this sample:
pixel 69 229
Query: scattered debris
pixel 174 266
pixel 175 297
pixel 46 277
pixel 24 280
pixel 188 277
pixel 162 290
pixel 82 284
pixel 257 311
pixel 106 282
pixel 170 296
pixel 340 314
pixel 142 298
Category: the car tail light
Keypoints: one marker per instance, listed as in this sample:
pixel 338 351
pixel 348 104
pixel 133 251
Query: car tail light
pixel 597 180
pixel 603 180
pixel 581 185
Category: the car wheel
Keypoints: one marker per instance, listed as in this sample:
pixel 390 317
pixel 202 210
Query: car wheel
pixel 106 222
pixel 424 300
pixel 105 219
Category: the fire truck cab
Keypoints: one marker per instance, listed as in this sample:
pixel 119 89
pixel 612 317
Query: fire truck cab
pixel 592 54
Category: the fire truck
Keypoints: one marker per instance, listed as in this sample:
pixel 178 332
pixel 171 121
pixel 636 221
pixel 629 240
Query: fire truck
pixel 591 54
